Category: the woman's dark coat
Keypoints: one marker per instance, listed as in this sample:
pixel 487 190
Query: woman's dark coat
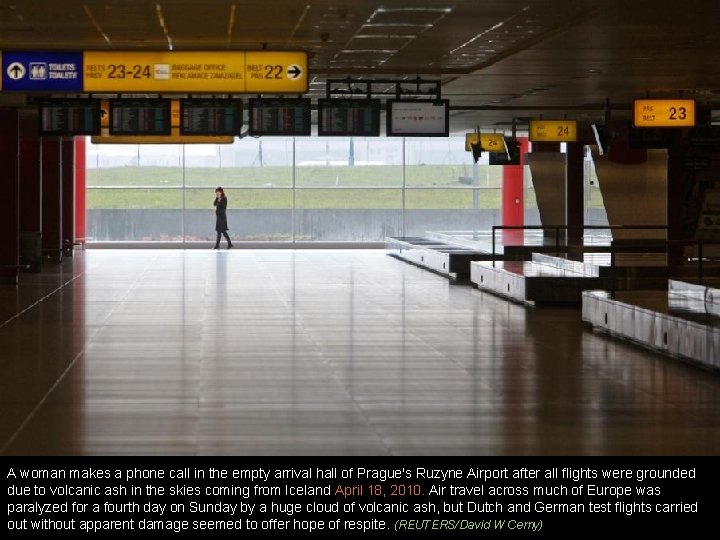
pixel 220 217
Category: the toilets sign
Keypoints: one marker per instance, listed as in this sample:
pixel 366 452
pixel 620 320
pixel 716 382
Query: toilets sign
pixel 28 71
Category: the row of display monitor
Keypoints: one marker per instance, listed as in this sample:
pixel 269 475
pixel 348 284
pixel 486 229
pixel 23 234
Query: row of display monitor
pixel 280 116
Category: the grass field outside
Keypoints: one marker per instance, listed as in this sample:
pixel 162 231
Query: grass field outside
pixel 380 186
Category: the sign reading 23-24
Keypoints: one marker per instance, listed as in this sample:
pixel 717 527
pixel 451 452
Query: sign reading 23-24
pixel 277 72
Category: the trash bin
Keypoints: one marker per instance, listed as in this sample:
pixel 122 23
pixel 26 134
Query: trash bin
pixel 31 250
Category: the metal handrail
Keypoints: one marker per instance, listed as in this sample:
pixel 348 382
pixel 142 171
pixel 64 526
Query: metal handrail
pixel 613 248
pixel 559 228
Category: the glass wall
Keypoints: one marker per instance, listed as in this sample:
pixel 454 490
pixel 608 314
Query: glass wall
pixel 290 189
pixel 445 190
pixel 135 192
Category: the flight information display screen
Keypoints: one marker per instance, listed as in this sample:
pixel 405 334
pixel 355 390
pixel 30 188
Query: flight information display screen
pixel 140 117
pixel 418 118
pixel 210 116
pixel 279 116
pixel 349 117
pixel 70 117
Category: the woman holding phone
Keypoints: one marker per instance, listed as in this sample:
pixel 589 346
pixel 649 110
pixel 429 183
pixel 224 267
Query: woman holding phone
pixel 221 226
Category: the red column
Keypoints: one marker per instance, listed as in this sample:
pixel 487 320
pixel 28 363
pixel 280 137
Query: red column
pixel 9 201
pixel 513 201
pixel 80 183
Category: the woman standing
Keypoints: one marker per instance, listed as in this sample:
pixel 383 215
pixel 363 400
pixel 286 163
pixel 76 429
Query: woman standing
pixel 221 226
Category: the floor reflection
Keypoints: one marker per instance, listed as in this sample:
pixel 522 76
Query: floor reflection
pixel 275 352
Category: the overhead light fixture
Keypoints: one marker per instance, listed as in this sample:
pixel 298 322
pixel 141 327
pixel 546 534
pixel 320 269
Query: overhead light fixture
pixel 96 24
pixel 231 24
pixel 385 25
pixel 406 9
pixel 384 36
pixel 161 20
pixel 368 51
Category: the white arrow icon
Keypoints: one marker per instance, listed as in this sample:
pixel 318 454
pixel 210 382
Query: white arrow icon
pixel 16 71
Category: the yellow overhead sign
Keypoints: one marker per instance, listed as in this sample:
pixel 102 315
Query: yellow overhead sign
pixel 105 113
pixel 664 113
pixel 490 142
pixel 553 130
pixel 276 72
pixel 279 72
pixel 174 138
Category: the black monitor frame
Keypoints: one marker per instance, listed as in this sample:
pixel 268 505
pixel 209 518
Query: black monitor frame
pixel 209 103
pixel 140 103
pixel 290 103
pixel 81 103
pixel 392 132
pixel 372 106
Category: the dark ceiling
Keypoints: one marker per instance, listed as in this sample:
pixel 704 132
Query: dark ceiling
pixel 497 60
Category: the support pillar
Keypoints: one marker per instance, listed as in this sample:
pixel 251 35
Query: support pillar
pixel 30 197
pixel 575 194
pixel 30 173
pixel 549 171
pixel 513 197
pixel 67 212
pixel 676 200
pixel 52 198
pixel 80 186
pixel 9 201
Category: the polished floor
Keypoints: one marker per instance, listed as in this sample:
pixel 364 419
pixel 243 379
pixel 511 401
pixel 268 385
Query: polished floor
pixel 270 352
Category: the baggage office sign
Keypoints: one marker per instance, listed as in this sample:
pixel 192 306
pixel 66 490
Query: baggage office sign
pixel 164 71
pixel 276 72
pixel 29 71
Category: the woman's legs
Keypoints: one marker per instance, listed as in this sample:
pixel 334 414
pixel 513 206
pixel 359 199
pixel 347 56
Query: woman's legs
pixel 227 237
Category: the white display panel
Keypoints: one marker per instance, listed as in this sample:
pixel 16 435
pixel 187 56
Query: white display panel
pixel 427 118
